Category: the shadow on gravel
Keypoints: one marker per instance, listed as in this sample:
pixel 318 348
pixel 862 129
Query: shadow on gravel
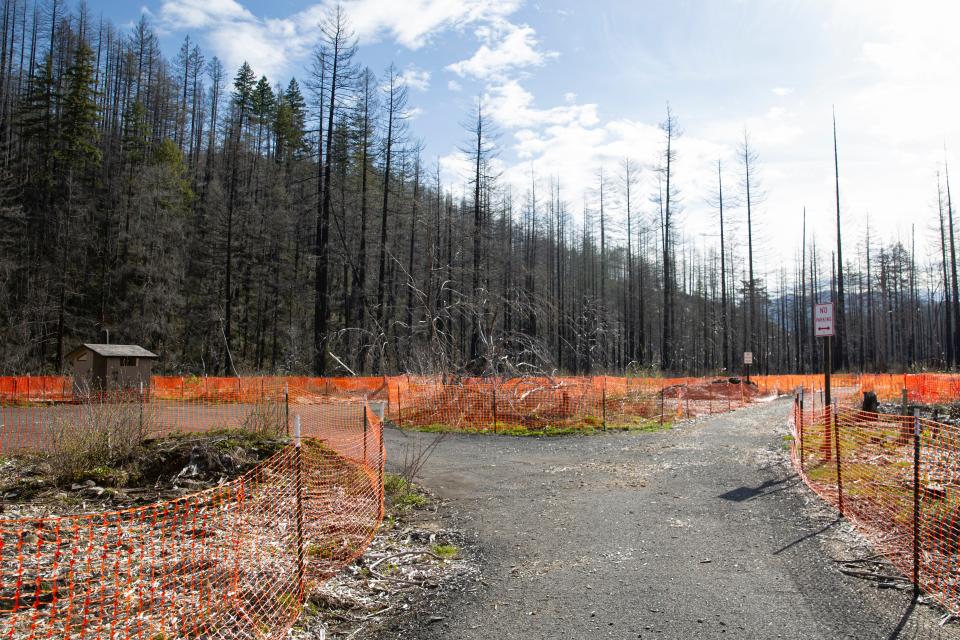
pixel 741 494
pixel 813 534
pixel 903 620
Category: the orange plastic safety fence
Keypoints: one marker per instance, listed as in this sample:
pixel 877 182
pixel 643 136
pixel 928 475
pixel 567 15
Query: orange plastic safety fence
pixel 35 426
pixel 18 389
pixel 559 403
pixel 927 387
pixel 27 389
pixel 896 478
pixel 920 387
pixel 234 561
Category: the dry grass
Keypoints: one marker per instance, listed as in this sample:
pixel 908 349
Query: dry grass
pixel 96 435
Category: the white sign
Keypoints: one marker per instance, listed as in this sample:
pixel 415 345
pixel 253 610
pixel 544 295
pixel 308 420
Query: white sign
pixel 748 357
pixel 823 320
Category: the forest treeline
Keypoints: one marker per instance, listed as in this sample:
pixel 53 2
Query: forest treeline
pixel 233 224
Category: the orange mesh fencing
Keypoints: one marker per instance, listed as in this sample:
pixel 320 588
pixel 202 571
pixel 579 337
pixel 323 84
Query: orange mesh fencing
pixel 234 561
pixel 896 479
pixel 35 427
pixel 559 403
pixel 249 388
pixel 920 387
pixel 18 389
pixel 925 387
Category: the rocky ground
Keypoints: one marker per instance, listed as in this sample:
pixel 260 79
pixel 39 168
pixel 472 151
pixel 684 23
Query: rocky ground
pixel 415 563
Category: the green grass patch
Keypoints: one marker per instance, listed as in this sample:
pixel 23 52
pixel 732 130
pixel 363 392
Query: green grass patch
pixel 645 426
pixel 400 494
pixel 826 472
pixel 446 551
pixel 590 426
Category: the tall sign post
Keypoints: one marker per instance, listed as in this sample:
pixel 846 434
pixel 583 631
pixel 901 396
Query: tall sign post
pixel 747 361
pixel 823 327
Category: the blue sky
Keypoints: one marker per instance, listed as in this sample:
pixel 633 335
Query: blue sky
pixel 576 86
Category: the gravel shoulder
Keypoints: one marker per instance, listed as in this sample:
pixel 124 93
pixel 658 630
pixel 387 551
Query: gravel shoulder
pixel 702 531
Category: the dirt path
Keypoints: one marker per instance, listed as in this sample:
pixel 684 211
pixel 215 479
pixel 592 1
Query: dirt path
pixel 702 532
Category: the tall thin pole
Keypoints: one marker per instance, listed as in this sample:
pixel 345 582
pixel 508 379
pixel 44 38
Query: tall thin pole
pixel 841 328
pixel 298 482
pixel 803 288
pixel 827 369
pixel 953 265
pixel 916 503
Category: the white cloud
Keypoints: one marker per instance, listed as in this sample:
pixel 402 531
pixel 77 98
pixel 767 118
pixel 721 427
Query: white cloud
pixel 505 47
pixel 412 22
pixel 572 142
pixel 455 169
pixel 415 78
pixel 247 41
pixel 782 92
pixel 198 14
pixel 512 106
pixel 274 45
pixel 453 85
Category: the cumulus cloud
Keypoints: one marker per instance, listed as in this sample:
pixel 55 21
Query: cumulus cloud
pixel 415 78
pixel 505 47
pixel 274 45
pixel 199 14
pixel 513 106
pixel 571 141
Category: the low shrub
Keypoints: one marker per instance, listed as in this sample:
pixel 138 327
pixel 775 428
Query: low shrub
pixel 95 436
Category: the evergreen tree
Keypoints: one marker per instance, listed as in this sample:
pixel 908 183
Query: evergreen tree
pixel 79 133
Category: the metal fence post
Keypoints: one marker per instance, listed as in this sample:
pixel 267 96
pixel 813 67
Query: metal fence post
pixel 661 406
pixel 494 393
pixel 286 406
pixel 800 428
pixel 603 400
pixel 383 460
pixel 836 444
pixel 364 435
pixel 298 481
pixel 916 503
pixel 142 434
pixel 826 448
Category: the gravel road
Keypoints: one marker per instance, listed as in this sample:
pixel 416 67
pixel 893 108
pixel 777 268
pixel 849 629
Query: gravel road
pixel 700 532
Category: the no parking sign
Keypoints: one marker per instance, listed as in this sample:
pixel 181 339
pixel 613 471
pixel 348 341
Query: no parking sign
pixel 823 320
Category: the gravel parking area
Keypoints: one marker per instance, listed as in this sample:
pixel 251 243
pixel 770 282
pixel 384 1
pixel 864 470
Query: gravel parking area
pixel 703 531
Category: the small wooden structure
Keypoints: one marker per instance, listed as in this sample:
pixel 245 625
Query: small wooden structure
pixel 103 367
